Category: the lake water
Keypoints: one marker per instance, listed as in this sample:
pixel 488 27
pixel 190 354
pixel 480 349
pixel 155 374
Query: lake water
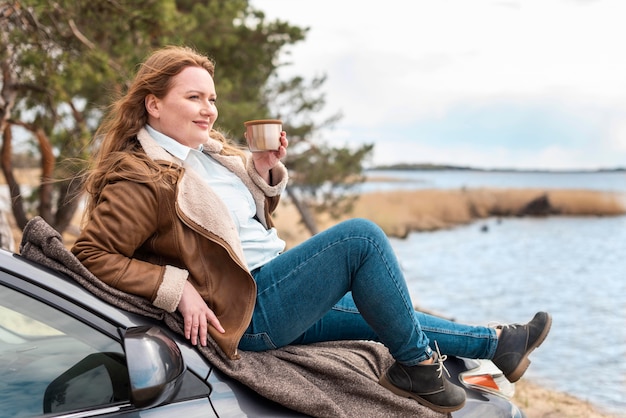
pixel 451 179
pixel 504 270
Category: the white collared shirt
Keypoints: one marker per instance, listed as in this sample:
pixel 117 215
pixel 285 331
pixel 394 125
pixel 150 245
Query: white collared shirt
pixel 259 245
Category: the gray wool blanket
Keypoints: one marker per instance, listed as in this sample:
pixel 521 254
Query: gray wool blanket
pixel 331 379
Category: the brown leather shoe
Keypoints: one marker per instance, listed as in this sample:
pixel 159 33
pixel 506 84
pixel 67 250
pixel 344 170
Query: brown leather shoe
pixel 516 342
pixel 425 384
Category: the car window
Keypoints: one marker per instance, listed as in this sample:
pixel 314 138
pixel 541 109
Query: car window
pixel 50 362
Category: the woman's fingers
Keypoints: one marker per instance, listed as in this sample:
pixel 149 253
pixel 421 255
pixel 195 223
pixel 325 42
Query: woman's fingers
pixel 202 332
pixel 192 325
pixel 214 322
pixel 197 316
pixel 196 326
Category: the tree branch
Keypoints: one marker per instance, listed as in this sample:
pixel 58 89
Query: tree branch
pixel 79 35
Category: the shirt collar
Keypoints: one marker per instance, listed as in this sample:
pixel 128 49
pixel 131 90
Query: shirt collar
pixel 170 145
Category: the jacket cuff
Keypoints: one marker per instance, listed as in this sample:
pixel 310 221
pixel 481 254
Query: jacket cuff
pixel 278 175
pixel 171 289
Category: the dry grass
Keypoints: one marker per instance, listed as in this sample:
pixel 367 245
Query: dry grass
pixel 589 203
pixel 401 212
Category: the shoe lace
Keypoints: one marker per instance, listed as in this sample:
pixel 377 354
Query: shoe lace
pixel 440 359
pixel 502 326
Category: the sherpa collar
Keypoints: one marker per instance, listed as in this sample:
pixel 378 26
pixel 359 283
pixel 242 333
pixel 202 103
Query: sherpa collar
pixel 195 199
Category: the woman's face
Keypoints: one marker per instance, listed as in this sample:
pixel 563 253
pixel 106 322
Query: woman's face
pixel 187 112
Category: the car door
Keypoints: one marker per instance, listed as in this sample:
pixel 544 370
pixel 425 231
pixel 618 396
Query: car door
pixel 59 359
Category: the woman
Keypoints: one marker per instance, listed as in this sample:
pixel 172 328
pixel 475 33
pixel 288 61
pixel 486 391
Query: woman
pixel 183 218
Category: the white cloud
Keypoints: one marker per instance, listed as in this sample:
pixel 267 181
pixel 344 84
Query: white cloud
pixel 551 157
pixel 617 136
pixel 396 62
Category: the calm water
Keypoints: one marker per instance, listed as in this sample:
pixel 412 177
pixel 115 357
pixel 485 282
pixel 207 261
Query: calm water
pixel 574 268
pixel 454 179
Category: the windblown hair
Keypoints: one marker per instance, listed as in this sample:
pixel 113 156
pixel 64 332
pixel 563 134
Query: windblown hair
pixel 126 116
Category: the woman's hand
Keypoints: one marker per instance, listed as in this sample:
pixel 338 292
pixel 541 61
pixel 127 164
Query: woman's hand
pixel 264 161
pixel 197 316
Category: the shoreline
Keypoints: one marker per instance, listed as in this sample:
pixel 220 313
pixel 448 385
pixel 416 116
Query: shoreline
pixel 538 401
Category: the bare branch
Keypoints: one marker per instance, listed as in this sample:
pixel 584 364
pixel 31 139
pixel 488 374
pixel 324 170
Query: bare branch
pixel 78 34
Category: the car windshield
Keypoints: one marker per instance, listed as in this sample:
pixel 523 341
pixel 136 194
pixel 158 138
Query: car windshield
pixel 16 328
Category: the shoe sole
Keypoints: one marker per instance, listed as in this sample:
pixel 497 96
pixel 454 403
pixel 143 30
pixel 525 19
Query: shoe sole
pixel 521 368
pixel 384 382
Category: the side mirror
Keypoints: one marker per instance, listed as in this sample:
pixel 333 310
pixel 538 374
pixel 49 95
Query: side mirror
pixel 155 366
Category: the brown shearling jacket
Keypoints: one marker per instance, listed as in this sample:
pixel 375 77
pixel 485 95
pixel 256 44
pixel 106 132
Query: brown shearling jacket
pixel 148 236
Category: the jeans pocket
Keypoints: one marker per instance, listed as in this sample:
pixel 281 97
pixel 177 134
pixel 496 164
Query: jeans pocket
pixel 256 342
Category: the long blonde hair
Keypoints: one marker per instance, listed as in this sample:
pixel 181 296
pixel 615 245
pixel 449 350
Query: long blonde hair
pixel 126 116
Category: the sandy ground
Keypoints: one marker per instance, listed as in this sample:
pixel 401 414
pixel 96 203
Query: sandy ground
pixel 540 402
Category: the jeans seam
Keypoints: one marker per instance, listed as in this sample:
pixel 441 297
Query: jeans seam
pixel 409 309
pixel 342 309
pixel 263 336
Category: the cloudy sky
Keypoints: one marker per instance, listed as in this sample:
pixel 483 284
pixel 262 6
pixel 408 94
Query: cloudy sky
pixel 537 84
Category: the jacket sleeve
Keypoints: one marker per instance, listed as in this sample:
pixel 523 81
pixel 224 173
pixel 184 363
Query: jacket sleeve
pixel 125 217
pixel 279 179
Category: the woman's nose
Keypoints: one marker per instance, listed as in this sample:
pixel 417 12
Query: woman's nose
pixel 207 110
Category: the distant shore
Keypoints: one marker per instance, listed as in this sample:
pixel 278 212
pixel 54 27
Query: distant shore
pixel 440 167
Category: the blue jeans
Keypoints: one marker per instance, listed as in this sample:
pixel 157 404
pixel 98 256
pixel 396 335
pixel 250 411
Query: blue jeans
pixel 346 284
